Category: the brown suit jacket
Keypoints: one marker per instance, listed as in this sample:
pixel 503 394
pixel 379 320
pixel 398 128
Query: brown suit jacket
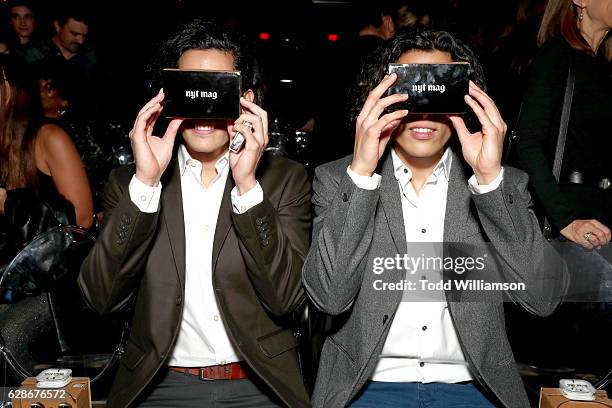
pixel 139 262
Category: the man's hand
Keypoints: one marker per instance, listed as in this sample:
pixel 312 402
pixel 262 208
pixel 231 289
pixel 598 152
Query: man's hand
pixel 374 131
pixel 244 163
pixel 579 230
pixel 152 153
pixel 2 199
pixel 482 150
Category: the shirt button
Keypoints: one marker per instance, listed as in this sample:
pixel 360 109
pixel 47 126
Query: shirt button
pixel 422 364
pixel 216 318
pixel 406 171
pixel 424 328
pixel 243 208
pixel 143 198
pixel 192 164
pixel 423 230
pixel 207 228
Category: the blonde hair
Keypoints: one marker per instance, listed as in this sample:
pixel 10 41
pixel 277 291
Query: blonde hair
pixel 559 20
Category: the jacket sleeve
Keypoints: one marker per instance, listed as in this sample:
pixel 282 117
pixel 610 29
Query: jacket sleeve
pixel 274 241
pixel 539 127
pixel 111 273
pixel 523 254
pixel 342 233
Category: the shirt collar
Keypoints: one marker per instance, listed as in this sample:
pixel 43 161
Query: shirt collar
pixel 443 166
pixel 185 160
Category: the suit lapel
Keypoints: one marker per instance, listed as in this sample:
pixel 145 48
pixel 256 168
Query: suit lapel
pixel 172 210
pixel 392 204
pixel 224 221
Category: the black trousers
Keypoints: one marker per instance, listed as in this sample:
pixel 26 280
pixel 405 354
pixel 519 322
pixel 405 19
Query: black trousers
pixel 177 390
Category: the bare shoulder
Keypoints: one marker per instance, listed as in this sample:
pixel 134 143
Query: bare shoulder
pixel 52 133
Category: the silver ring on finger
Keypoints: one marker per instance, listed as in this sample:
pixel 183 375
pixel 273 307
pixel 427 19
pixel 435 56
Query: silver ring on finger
pixel 247 124
pixel 587 236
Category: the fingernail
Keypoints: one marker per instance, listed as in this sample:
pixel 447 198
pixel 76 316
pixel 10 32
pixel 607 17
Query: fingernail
pixel 393 75
pixel 161 90
pixel 405 96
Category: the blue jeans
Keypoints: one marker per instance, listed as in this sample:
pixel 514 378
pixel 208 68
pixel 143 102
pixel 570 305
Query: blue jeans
pixel 376 394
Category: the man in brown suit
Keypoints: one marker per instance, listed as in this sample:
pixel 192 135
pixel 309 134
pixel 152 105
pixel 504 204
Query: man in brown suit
pixel 206 246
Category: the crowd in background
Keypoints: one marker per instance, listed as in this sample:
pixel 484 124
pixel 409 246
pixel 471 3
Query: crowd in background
pixel 90 83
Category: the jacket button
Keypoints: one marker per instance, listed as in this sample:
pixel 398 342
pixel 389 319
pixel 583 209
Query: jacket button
pixel 264 235
pixel 344 197
pixel 179 300
pixel 422 364
pixel 510 198
pixel 265 242
pixel 259 221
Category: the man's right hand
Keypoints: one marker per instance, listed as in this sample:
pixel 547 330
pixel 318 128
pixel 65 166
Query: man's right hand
pixel 598 233
pixel 152 153
pixel 374 131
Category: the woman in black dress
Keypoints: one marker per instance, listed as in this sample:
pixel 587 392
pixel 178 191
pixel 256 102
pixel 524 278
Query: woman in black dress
pixel 580 206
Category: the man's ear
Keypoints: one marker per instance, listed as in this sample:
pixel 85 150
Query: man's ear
pixel 57 26
pixel 249 95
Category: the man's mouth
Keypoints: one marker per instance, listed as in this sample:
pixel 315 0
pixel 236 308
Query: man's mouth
pixel 203 128
pixel 422 133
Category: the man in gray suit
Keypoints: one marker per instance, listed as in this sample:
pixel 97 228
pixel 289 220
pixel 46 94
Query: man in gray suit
pixel 404 187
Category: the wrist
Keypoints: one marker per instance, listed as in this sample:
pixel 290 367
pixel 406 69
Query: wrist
pixel 244 186
pixel 487 177
pixel 151 182
pixel 361 170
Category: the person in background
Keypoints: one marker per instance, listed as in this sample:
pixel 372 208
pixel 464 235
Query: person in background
pixel 23 25
pixel 579 207
pixel 69 48
pixel 34 154
pixel 57 94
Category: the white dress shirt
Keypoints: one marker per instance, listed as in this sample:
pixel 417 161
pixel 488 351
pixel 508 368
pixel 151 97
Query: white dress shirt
pixel 422 344
pixel 202 339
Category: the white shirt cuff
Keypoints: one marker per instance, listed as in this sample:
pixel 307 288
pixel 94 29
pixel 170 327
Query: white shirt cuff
pixel 476 188
pixel 243 203
pixel 146 198
pixel 365 182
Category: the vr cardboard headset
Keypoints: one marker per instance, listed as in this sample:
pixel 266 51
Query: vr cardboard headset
pixel 198 94
pixel 431 88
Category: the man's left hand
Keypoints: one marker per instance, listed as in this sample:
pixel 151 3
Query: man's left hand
pixel 483 149
pixel 244 163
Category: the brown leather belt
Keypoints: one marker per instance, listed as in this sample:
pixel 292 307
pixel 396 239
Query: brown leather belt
pixel 233 371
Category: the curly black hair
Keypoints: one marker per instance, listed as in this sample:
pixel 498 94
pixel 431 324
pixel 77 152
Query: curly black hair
pixel 204 34
pixel 375 66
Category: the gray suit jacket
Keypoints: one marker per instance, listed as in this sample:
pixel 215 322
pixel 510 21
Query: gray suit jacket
pixel 353 226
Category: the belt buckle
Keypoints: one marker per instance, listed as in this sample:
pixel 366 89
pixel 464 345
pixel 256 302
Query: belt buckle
pixel 202 375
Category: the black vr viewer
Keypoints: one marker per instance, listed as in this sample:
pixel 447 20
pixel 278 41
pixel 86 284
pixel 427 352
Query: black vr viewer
pixel 431 88
pixel 199 94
